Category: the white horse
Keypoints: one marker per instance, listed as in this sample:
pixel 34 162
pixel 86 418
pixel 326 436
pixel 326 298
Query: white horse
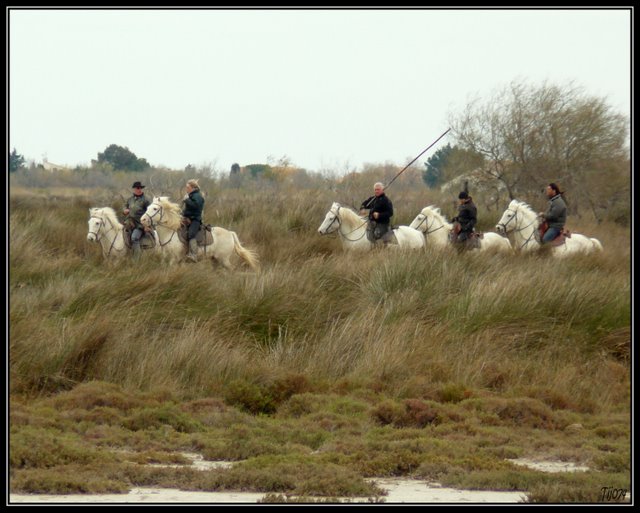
pixel 520 222
pixel 353 230
pixel 436 229
pixel 166 217
pixel 105 228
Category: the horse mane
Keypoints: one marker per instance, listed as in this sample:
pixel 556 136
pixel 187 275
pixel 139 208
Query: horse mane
pixel 436 212
pixel 351 212
pixel 172 212
pixel 517 204
pixel 109 214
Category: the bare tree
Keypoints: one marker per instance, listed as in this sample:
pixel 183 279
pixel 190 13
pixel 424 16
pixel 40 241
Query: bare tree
pixel 532 135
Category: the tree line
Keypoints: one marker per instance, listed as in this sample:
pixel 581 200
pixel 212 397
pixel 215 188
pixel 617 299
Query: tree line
pixel 518 139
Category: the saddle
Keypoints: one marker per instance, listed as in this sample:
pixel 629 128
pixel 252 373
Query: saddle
pixel 147 241
pixel 376 232
pixel 472 241
pixel 558 241
pixel 387 238
pixel 204 237
pixel 454 232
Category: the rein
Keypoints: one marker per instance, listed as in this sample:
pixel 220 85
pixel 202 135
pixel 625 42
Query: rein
pixel 349 233
pixel 106 231
pixel 518 230
pixel 154 223
pixel 427 230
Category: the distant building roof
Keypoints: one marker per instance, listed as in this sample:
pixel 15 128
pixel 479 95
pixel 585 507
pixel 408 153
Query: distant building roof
pixel 50 166
pixel 477 180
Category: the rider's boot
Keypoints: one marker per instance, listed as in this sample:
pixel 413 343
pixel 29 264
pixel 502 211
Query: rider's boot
pixel 544 249
pixel 136 250
pixel 193 250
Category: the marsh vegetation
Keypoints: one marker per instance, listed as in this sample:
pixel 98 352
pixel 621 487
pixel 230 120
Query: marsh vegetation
pixel 324 369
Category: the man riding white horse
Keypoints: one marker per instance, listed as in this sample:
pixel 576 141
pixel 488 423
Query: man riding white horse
pixel 380 214
pixel 554 219
pixel 134 209
pixel 465 221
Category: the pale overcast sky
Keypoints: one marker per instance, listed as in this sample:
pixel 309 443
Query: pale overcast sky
pixel 330 89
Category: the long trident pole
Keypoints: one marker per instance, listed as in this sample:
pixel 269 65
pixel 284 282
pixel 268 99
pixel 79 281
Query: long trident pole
pixel 419 155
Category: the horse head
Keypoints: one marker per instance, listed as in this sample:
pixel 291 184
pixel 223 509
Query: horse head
pixel 516 214
pixel 153 213
pixel 429 219
pixel 96 223
pixel 101 221
pixel 331 220
pixel 161 211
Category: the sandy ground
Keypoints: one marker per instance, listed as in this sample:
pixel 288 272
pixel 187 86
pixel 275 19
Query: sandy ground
pixel 550 466
pixel 399 490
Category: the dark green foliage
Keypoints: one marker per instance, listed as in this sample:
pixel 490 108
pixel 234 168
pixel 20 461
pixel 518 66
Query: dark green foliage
pixel 157 417
pixel 265 398
pixel 122 159
pixel 434 172
pixel 257 170
pixel 16 161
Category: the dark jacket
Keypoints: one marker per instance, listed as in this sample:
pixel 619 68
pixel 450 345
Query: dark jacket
pixel 193 206
pixel 380 204
pixel 556 214
pixel 467 216
pixel 137 206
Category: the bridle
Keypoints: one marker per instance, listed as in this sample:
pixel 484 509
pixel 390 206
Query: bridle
pixel 337 218
pixel 153 224
pixel 159 211
pixel 428 229
pixel 514 218
pixel 101 223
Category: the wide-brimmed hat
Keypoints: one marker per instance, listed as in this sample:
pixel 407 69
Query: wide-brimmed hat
pixel 463 195
pixel 137 184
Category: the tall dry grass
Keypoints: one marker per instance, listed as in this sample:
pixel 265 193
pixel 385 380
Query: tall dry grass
pixel 411 324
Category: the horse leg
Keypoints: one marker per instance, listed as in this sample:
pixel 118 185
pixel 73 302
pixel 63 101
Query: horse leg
pixel 226 263
pixel 223 260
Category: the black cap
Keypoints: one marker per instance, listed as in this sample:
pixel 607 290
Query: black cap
pixel 463 195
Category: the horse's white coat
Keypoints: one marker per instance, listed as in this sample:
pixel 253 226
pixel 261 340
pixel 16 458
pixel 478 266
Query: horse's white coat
pixel 165 216
pixel 436 228
pixel 105 228
pixel 353 230
pixel 520 222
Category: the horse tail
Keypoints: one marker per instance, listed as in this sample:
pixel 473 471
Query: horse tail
pixel 250 257
pixel 597 244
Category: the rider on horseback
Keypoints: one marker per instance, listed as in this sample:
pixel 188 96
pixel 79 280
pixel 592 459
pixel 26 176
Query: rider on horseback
pixel 134 209
pixel 193 203
pixel 380 213
pixel 466 220
pixel 556 215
